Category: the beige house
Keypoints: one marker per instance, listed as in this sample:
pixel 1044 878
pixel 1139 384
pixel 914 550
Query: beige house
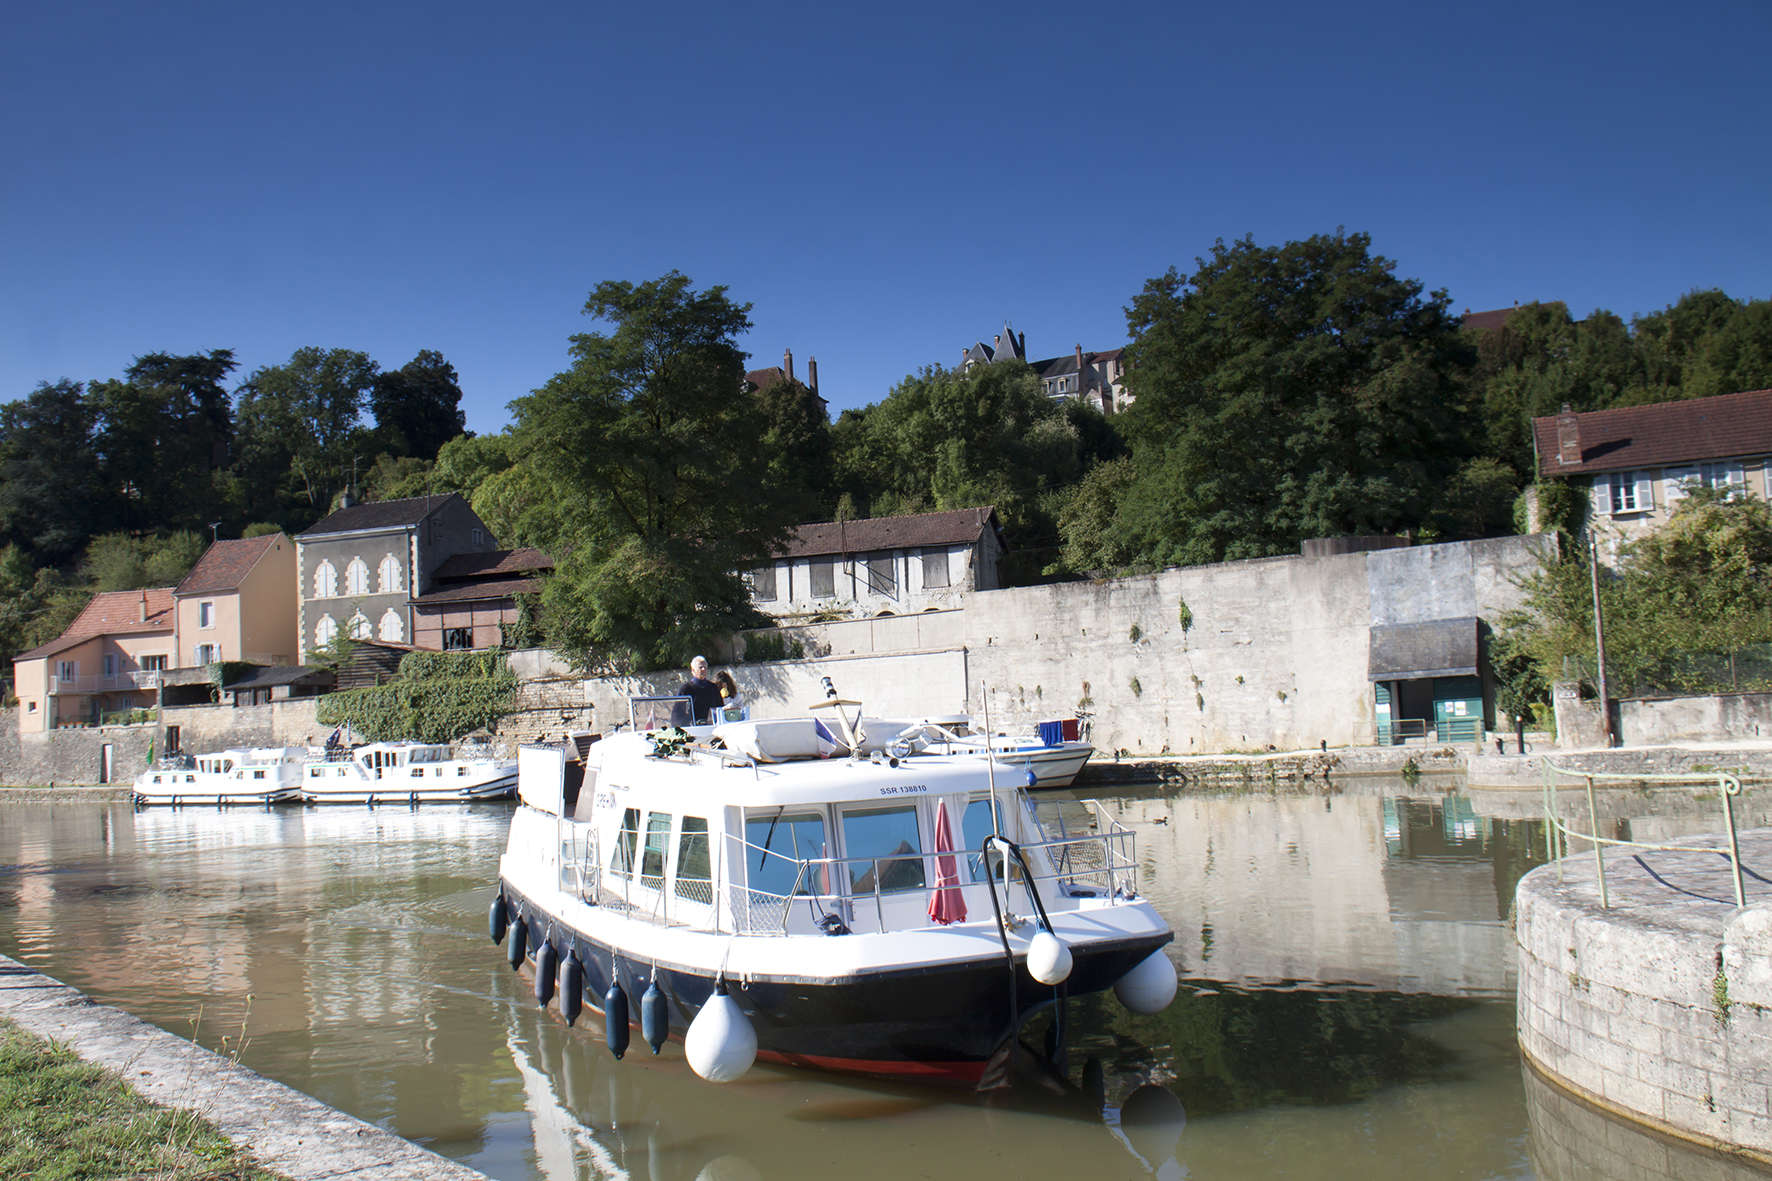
pixel 1638 462
pixel 109 660
pixel 237 603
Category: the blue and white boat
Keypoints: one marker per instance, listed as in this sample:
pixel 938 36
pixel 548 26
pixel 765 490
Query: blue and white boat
pixel 802 891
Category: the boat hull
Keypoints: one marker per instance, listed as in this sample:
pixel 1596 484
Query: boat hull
pixel 939 1022
pixel 195 794
pixel 1053 766
pixel 392 791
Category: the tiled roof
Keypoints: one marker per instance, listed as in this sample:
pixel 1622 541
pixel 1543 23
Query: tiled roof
pixel 270 676
pixel 762 379
pixel 1487 321
pixel 225 564
pixel 492 562
pixel 1723 427
pixel 1059 366
pixel 112 613
pixel 473 592
pixel 887 533
pixel 380 514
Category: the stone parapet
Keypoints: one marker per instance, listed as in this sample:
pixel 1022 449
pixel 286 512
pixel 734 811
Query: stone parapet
pixel 1657 1008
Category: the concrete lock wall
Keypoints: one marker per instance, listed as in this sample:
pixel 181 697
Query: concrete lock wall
pixel 1661 1021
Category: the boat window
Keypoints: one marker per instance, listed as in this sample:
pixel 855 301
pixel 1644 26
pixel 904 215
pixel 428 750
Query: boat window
pixel 977 824
pixel 776 843
pixel 658 839
pixel 890 836
pixel 622 860
pixel 695 878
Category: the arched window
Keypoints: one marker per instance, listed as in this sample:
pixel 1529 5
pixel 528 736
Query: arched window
pixel 388 576
pixel 325 581
pixel 357 577
pixel 393 628
pixel 325 631
pixel 361 628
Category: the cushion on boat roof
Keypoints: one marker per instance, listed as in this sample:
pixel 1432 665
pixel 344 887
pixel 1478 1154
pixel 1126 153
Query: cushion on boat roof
pixel 780 740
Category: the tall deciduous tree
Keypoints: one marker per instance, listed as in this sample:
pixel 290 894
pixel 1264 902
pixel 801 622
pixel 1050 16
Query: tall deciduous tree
pixel 299 425
pixel 417 407
pixel 652 450
pixel 1283 393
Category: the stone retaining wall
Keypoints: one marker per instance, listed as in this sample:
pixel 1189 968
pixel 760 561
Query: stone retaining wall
pixel 1658 1008
pixel 76 755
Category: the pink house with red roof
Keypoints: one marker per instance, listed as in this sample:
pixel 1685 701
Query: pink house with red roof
pixel 237 603
pixel 1639 461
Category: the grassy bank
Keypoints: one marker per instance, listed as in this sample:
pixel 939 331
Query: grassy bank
pixel 62 1119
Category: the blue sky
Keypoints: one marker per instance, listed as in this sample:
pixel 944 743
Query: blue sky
pixel 885 184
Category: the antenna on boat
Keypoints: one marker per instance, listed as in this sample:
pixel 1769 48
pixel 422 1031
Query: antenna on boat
pixel 990 761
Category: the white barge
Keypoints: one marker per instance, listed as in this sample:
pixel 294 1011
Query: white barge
pixel 843 903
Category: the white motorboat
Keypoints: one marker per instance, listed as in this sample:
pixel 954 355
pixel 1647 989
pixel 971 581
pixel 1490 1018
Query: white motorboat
pixel 1054 759
pixel 405 772
pixel 803 891
pixel 241 775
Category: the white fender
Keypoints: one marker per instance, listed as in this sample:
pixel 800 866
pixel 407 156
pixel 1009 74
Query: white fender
pixel 721 1043
pixel 1049 958
pixel 1150 986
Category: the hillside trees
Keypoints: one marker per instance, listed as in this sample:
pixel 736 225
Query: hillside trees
pixel 299 425
pixel 417 407
pixel 1284 393
pixel 652 445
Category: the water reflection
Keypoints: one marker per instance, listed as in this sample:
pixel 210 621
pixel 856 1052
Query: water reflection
pixel 1346 1008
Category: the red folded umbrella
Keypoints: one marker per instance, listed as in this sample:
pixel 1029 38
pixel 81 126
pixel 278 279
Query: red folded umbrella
pixel 947 904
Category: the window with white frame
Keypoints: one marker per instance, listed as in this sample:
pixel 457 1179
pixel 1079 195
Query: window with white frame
pixel 1725 476
pixel 325 581
pixel 393 628
pixel 1630 492
pixel 67 670
pixel 205 614
pixel 205 654
pixel 357 577
pixel 387 575
pixel 325 631
pixel 361 628
pixel 154 663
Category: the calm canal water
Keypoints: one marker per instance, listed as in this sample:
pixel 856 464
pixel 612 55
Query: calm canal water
pixel 1346 1011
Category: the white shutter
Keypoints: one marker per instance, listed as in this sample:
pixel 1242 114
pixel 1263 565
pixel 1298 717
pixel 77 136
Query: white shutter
pixel 1645 490
pixel 1673 482
pixel 1602 497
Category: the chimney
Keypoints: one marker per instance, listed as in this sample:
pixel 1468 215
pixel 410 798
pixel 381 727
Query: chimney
pixel 812 373
pixel 787 363
pixel 997 341
pixel 1568 436
pixel 141 611
pixel 1081 384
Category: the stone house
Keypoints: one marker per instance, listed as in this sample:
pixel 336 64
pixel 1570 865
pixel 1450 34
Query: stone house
pixel 360 569
pixel 1096 378
pixel 881 566
pixel 473 599
pixel 1639 461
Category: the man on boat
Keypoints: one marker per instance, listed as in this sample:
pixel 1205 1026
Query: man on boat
pixel 703 694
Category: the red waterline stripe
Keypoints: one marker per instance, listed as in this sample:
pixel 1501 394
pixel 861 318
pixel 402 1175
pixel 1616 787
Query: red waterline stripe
pixel 964 1072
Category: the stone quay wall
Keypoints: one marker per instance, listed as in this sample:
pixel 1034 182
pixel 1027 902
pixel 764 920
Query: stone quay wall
pixel 1659 1008
pixel 76 755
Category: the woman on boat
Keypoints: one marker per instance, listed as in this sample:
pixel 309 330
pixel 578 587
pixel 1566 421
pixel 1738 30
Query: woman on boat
pixel 730 697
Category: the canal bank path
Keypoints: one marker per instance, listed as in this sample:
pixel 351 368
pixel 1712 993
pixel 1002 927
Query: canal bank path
pixel 283 1129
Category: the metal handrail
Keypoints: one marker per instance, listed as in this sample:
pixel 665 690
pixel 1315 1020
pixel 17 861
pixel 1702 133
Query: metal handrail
pixel 1728 787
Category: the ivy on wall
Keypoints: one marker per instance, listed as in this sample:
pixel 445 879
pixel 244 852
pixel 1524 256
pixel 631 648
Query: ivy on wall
pixel 438 697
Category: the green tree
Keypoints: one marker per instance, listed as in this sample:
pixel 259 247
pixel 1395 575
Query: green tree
pixel 51 497
pixel 1542 359
pixel 797 441
pixel 654 450
pixel 300 430
pixel 161 433
pixel 1284 393
pixel 417 407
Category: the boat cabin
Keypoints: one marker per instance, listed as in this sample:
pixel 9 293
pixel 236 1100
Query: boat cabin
pixel 777 828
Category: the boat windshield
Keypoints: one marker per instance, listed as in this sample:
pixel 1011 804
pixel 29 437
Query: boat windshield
pixel 655 713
